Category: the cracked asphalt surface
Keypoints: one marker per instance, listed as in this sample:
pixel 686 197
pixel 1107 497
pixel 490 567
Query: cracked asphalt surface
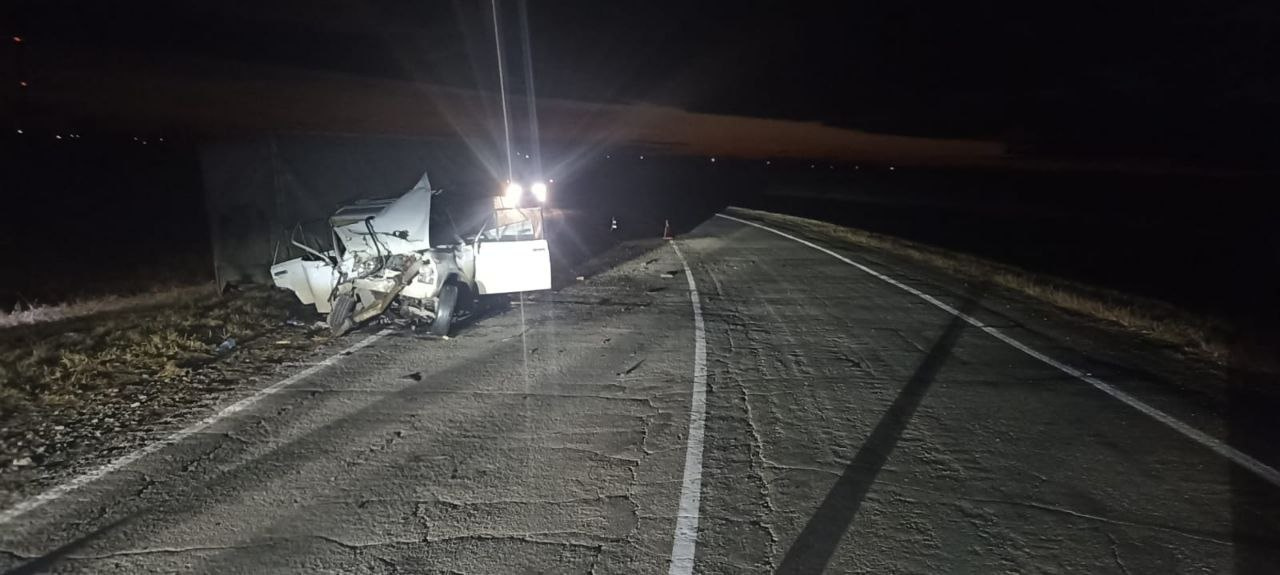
pixel 850 427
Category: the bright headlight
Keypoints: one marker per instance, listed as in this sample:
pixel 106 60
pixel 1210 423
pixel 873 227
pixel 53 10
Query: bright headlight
pixel 513 193
pixel 539 190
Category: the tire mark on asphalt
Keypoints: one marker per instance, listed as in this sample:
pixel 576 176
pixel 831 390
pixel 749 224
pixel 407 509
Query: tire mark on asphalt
pixel 1244 460
pixel 817 542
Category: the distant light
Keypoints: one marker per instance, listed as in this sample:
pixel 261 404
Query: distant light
pixel 513 193
pixel 526 156
pixel 20 130
pixel 641 156
pixel 135 138
pixel 22 83
pixel 857 167
pixel 768 162
pixel 161 139
pixel 57 136
pixel 812 166
pixel 891 168
pixel 552 180
pixel 539 190
pixel 144 142
pixel 713 160
pixel 607 156
pixel 17 39
pixel 832 166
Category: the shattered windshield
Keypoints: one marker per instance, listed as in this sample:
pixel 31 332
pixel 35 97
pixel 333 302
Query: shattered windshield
pixel 514 224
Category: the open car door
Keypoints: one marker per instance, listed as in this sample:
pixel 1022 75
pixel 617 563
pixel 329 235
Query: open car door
pixel 512 255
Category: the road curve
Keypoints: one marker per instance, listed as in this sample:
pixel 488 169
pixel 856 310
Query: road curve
pixel 850 426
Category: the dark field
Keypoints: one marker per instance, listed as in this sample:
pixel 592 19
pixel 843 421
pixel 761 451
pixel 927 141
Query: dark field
pixel 1203 243
pixel 1207 244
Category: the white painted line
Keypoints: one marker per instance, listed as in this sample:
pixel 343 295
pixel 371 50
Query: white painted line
pixel 1234 455
pixel 55 493
pixel 685 542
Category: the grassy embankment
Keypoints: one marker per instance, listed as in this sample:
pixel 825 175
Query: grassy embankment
pixel 1205 337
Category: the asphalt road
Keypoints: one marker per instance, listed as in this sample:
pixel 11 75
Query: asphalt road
pixel 850 425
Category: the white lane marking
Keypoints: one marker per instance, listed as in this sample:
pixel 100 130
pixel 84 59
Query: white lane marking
pixel 1234 455
pixel 685 542
pixel 57 492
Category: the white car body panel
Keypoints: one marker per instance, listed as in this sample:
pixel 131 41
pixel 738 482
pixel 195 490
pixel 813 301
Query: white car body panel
pixel 311 280
pixel 513 266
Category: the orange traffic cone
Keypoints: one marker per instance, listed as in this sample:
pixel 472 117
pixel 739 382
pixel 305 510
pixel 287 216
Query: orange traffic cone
pixel 666 231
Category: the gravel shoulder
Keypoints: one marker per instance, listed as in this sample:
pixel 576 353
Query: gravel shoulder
pixel 77 392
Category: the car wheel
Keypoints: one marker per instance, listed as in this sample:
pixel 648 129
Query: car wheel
pixel 340 315
pixel 444 310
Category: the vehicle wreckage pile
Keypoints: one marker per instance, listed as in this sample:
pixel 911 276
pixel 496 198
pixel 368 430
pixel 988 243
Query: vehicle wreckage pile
pixel 379 259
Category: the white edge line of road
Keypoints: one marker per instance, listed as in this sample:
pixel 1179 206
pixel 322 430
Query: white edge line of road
pixel 59 491
pixel 1234 455
pixel 685 542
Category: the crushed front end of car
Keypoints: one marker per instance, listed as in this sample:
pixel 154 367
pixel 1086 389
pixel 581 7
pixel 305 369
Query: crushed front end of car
pixel 379 260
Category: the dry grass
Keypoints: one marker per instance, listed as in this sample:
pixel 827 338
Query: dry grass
pixel 1205 337
pixel 34 313
pixel 73 351
pixel 92 378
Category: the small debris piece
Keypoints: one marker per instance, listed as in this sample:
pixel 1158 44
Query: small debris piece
pixel 416 376
pixel 226 346
pixel 632 368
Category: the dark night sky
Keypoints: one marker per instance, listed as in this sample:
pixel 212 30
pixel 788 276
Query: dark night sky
pixel 1192 80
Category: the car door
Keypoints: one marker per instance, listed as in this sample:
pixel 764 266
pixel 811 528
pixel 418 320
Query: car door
pixel 512 255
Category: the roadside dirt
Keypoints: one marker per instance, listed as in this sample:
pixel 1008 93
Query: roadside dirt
pixel 89 387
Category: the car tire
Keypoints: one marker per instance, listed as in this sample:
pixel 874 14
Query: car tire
pixel 445 304
pixel 340 315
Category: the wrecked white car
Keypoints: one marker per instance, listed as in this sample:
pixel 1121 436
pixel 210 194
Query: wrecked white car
pixel 380 259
